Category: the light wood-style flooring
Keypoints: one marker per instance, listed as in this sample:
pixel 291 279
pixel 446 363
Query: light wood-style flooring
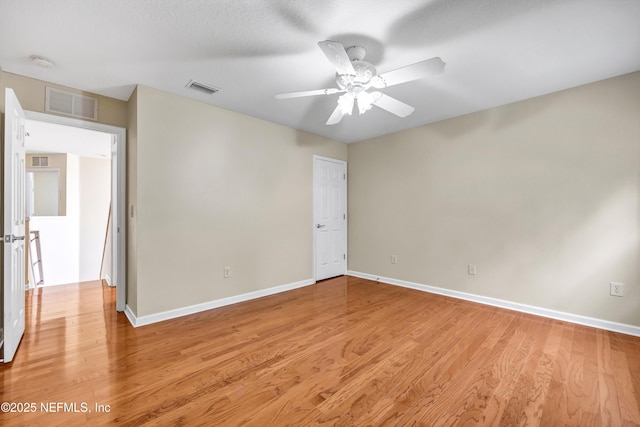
pixel 344 352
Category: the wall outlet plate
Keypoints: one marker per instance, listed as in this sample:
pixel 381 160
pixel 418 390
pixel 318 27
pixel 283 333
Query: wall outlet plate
pixel 617 289
pixel 472 270
pixel 226 272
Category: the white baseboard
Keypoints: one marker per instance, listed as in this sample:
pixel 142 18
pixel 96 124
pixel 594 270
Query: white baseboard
pixel 179 312
pixel 130 316
pixel 524 308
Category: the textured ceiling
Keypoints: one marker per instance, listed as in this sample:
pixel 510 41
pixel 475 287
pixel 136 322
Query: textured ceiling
pixel 497 51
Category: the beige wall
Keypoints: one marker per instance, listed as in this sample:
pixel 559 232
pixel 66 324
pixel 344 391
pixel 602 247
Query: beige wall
pixel 31 93
pixel 542 195
pixel 217 188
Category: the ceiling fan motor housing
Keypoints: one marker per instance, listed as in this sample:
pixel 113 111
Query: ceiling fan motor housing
pixel 356 53
pixel 364 72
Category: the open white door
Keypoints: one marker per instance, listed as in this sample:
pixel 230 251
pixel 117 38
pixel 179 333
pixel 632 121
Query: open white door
pixel 330 217
pixel 14 218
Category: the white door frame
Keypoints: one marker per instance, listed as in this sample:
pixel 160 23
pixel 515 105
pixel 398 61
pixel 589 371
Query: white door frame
pixel 315 220
pixel 118 188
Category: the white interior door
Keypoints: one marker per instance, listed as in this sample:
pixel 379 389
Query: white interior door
pixel 14 218
pixel 330 217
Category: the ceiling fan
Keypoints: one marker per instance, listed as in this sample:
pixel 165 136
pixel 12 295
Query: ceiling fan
pixel 355 77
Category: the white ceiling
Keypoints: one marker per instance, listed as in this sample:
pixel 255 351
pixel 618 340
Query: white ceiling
pixel 497 51
pixel 45 137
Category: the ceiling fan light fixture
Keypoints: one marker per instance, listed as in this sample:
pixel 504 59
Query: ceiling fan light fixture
pixel 366 100
pixel 346 102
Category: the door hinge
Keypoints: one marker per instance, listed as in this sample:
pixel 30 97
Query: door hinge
pixel 344 176
pixel 344 256
pixel 344 216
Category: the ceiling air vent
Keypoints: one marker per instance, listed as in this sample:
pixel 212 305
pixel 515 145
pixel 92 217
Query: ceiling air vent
pixel 209 90
pixel 71 104
pixel 40 161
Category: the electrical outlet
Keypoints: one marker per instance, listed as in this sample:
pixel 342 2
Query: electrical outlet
pixel 472 269
pixel 617 289
pixel 226 272
pixel 394 259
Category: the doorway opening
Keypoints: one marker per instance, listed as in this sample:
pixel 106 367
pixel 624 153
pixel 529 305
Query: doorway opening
pixel 68 198
pixel 90 161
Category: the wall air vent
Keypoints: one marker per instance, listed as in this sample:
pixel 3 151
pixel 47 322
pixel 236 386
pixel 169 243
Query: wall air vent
pixel 71 104
pixel 40 161
pixel 209 90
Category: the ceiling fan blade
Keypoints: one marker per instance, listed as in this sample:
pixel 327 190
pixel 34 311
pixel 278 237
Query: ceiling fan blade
pixel 337 55
pixel 392 105
pixel 336 116
pixel 409 73
pixel 330 91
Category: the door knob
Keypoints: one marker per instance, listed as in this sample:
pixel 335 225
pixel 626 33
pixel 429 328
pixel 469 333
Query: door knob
pixel 10 238
pixel 320 225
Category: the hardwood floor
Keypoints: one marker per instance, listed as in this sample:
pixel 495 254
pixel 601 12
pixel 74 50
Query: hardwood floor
pixel 346 352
